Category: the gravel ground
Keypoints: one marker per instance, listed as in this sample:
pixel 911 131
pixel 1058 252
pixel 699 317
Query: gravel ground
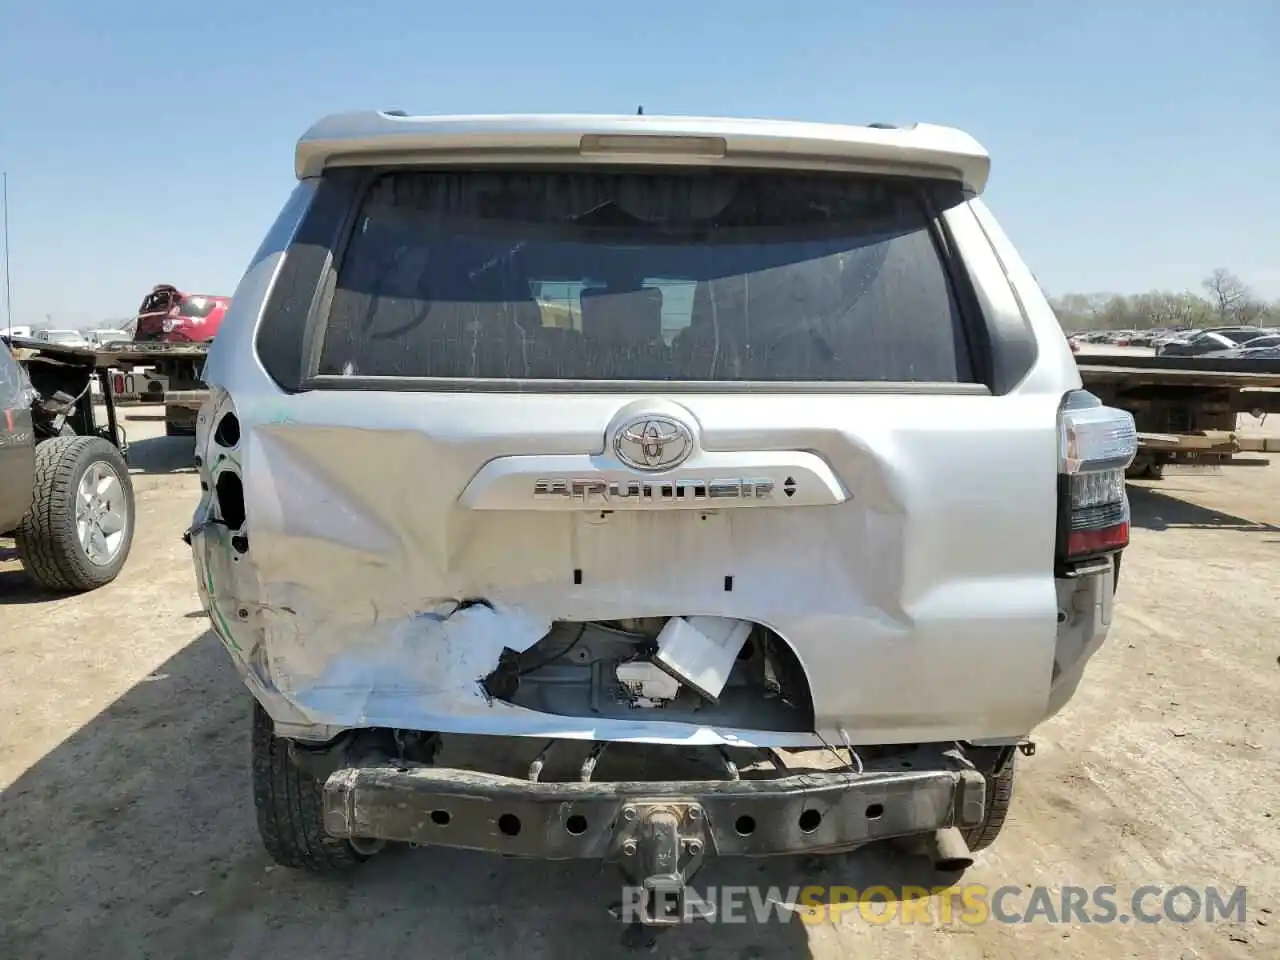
pixel 127 830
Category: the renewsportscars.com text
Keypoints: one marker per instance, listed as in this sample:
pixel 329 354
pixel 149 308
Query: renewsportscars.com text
pixel 968 904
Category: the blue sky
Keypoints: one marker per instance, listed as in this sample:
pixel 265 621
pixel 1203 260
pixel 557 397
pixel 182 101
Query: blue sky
pixel 1134 145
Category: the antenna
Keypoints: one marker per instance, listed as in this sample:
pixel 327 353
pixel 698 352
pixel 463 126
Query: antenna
pixel 8 297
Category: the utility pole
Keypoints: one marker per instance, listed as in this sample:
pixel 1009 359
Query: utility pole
pixel 8 294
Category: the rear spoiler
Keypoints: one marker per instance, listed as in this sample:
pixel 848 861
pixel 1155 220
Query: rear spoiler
pixel 376 138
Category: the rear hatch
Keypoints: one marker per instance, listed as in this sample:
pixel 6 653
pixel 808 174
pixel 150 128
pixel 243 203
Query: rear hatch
pixel 154 311
pixel 602 395
pixel 169 315
pixel 195 319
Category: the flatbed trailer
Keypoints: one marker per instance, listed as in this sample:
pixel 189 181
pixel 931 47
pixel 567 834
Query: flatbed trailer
pixel 1186 408
pixel 71 369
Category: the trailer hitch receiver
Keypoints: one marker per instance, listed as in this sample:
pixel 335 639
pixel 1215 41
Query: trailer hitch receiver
pixel 660 846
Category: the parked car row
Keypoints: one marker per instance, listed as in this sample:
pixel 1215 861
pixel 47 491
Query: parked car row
pixel 1128 338
pixel 69 338
pixel 1271 352
pixel 75 338
pixel 166 314
pixel 1217 340
pixel 1259 348
pixel 1205 342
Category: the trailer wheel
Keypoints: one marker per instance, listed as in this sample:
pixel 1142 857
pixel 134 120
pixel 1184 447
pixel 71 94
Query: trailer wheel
pixel 78 530
pixel 180 424
pixel 290 807
pixel 1145 466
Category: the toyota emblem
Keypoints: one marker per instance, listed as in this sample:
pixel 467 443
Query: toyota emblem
pixel 653 442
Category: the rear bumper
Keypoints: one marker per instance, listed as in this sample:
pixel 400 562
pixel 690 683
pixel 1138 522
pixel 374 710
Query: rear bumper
pixel 809 811
pixel 155 333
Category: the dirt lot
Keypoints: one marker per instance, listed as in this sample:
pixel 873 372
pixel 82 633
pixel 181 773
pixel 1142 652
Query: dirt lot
pixel 126 827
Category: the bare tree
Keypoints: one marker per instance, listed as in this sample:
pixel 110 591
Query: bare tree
pixel 1252 313
pixel 1227 293
pixel 1163 309
pixel 1228 300
pixel 1089 311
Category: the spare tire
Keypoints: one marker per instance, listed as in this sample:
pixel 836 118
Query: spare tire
pixel 78 531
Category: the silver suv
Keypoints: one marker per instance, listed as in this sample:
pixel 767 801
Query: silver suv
pixel 646 489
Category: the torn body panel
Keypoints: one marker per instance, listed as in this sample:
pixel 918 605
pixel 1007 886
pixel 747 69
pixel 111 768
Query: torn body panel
pixel 612 671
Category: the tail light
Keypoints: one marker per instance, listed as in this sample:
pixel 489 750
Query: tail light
pixel 1095 445
pixel 117 383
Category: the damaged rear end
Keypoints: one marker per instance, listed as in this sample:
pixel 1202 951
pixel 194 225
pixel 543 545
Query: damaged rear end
pixel 745 457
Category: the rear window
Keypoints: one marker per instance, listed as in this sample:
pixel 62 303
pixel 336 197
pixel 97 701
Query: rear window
pixel 196 306
pixel 1238 336
pixel 158 301
pixel 645 276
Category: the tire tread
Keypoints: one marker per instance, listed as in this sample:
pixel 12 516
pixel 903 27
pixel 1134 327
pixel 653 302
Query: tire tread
pixel 999 798
pixel 290 807
pixel 46 541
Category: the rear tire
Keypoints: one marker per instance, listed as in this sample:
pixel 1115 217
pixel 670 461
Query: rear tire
pixel 999 797
pixel 1146 467
pixel 49 540
pixel 290 808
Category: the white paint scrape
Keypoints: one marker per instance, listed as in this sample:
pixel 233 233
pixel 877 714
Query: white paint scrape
pixel 434 658
pixel 464 647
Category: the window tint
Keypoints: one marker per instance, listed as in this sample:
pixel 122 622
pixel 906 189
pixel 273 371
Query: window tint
pixel 1239 336
pixel 657 276
pixel 196 307
pixel 560 304
pixel 158 301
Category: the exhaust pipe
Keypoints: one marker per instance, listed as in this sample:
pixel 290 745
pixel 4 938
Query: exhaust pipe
pixel 948 851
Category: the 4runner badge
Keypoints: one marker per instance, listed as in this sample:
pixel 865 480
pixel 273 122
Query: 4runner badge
pixel 653 442
pixel 602 492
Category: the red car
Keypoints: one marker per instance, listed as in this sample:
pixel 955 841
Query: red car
pixel 169 315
